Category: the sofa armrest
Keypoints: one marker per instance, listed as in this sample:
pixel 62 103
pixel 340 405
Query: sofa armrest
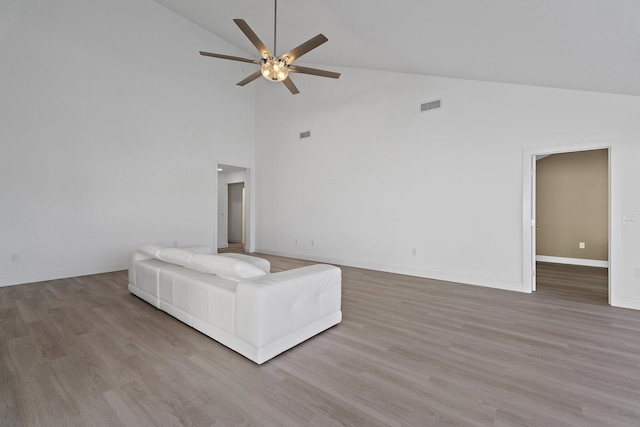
pixel 273 306
pixel 134 257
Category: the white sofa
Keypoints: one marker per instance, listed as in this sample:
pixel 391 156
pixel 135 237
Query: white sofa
pixel 234 299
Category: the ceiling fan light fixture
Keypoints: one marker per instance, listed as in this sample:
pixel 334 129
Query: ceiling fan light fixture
pixel 275 70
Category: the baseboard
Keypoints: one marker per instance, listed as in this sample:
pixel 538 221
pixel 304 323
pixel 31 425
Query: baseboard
pixel 55 275
pixel 408 271
pixel 573 261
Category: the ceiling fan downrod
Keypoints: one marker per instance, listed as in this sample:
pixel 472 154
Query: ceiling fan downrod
pixel 275 26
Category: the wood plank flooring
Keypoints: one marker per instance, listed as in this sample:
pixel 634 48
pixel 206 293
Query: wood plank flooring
pixel 409 352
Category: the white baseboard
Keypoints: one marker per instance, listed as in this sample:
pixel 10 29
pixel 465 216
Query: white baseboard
pixel 54 275
pixel 573 261
pixel 416 272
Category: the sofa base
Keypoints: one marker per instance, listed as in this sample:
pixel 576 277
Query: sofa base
pixel 262 354
pixel 235 300
pixel 257 355
pixel 144 295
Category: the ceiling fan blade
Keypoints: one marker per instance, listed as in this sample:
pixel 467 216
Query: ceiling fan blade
pixel 313 71
pixel 305 47
pixel 249 79
pixel 289 84
pixel 233 58
pixel 253 37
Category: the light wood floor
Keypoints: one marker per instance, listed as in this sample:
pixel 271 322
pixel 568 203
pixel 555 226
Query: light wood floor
pixel 409 352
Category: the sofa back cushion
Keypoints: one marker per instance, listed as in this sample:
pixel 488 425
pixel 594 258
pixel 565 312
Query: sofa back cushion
pixel 230 268
pixel 150 250
pixel 237 267
pixel 176 256
pixel 261 263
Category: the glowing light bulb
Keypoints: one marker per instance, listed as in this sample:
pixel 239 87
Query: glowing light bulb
pixel 274 70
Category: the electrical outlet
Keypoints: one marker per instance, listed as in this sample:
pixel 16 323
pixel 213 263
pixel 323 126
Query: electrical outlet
pixel 175 243
pixel 15 258
pixel 581 245
pixel 414 251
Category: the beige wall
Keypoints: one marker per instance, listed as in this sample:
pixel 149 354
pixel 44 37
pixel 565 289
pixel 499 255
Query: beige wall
pixel 572 205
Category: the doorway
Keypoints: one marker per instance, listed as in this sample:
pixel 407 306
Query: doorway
pixel 572 223
pixel 559 248
pixel 235 203
pixel 234 208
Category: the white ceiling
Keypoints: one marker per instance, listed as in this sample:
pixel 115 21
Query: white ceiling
pixel 576 44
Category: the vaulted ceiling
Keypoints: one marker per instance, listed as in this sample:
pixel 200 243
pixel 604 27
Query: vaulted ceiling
pixel 589 45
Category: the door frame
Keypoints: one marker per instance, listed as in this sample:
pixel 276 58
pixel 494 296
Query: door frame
pixel 529 157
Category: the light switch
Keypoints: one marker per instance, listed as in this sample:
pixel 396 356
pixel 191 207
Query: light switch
pixel 581 245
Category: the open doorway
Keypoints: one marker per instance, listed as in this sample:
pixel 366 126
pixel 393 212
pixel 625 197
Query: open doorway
pixel 236 213
pixel 233 211
pixel 572 224
pixel 577 206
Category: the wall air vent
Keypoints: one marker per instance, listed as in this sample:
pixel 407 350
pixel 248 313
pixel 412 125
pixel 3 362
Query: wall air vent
pixel 431 105
pixel 305 134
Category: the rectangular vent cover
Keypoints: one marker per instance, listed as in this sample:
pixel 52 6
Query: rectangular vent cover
pixel 432 105
pixel 305 134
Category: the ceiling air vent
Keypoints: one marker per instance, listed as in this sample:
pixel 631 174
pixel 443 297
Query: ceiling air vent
pixel 431 105
pixel 305 134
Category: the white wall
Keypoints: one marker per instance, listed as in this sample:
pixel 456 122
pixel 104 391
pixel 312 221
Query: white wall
pixel 111 125
pixel 378 179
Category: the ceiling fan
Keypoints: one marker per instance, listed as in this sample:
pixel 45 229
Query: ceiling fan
pixel 274 68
